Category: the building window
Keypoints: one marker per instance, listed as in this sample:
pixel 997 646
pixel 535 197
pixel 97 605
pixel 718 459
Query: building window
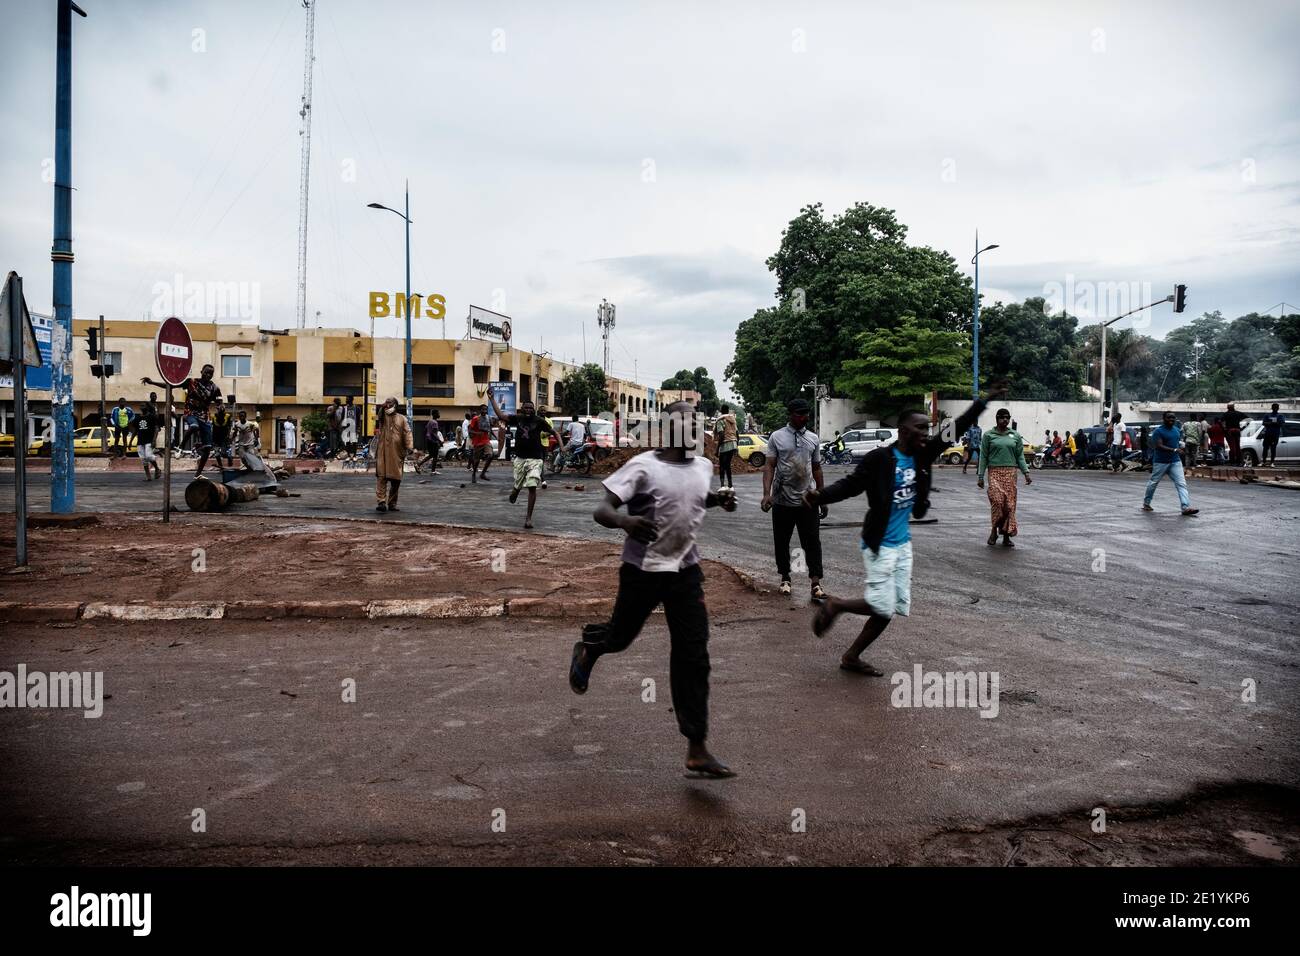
pixel 113 359
pixel 236 366
pixel 481 373
pixel 286 378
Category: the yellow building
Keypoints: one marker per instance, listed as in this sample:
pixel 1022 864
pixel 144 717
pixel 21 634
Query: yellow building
pixel 276 375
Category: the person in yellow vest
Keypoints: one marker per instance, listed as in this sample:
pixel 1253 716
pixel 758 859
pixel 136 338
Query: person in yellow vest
pixel 393 442
pixel 120 418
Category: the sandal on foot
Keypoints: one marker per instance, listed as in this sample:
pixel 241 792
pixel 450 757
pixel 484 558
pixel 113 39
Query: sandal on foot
pixel 784 589
pixel 818 593
pixel 860 667
pixel 709 770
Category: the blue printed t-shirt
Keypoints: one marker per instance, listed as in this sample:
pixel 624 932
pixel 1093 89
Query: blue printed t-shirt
pixel 897 531
pixel 1168 436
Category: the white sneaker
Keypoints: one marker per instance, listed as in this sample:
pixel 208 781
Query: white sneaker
pixel 784 589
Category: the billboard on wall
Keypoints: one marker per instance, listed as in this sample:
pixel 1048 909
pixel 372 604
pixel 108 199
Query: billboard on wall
pixel 504 393
pixel 487 325
pixel 38 379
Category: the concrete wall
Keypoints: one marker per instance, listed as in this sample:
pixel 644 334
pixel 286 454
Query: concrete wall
pixel 837 414
pixel 1032 418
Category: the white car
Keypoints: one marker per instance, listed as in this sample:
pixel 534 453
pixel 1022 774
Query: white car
pixel 859 441
pixel 1288 445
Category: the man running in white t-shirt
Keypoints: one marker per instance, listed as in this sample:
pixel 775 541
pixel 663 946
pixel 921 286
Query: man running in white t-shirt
pixel 665 494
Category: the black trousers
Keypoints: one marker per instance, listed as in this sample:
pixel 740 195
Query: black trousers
pixel 724 467
pixel 682 595
pixel 785 518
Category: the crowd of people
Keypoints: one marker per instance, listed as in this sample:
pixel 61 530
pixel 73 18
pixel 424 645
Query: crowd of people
pixel 659 499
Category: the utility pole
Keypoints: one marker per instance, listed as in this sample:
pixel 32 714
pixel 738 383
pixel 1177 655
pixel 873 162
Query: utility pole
pixel 63 490
pixel 304 132
pixel 103 391
pixel 1178 298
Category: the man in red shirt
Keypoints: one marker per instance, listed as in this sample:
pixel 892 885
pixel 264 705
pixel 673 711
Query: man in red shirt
pixel 480 440
pixel 1217 436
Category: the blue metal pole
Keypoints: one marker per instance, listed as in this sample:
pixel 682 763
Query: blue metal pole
pixel 975 361
pixel 63 493
pixel 410 411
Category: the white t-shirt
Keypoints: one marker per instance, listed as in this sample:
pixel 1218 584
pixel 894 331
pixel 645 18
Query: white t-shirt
pixel 672 495
pixel 576 431
pixel 1117 437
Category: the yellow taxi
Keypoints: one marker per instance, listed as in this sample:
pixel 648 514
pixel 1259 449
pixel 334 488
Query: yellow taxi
pixel 7 446
pixel 752 449
pixel 86 441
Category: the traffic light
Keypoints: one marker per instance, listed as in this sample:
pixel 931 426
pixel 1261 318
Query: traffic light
pixel 1180 297
pixel 92 343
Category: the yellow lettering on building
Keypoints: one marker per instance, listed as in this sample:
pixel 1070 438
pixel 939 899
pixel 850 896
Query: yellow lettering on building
pixel 379 305
pixel 437 307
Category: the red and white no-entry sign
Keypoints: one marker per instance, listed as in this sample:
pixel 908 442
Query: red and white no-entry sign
pixel 173 350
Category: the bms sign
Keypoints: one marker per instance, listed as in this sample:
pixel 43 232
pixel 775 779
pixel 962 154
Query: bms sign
pixel 384 304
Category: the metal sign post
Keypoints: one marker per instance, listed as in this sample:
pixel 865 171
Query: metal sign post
pixel 173 352
pixel 19 350
pixel 167 460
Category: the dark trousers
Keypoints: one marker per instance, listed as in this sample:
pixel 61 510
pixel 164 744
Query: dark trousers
pixel 724 467
pixel 1269 451
pixel 785 518
pixel 682 595
pixel 1234 445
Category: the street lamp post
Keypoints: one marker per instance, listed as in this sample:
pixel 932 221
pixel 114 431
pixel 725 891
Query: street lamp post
pixel 408 391
pixel 975 358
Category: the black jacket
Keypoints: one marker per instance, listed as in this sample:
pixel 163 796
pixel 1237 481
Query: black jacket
pixel 875 475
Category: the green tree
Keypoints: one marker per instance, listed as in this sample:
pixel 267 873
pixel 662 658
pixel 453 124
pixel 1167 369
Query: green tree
pixel 588 382
pixel 1030 349
pixel 837 278
pixel 698 381
pixel 315 424
pixel 1126 351
pixel 896 367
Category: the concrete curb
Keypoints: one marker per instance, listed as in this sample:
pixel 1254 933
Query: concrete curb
pixel 448 608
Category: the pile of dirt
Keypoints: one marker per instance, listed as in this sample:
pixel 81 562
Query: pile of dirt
pixel 619 457
pixel 220 557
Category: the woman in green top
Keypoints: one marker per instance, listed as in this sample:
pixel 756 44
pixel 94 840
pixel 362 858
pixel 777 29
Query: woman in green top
pixel 1002 453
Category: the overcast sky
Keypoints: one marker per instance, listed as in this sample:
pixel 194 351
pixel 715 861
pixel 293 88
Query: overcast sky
pixel 652 153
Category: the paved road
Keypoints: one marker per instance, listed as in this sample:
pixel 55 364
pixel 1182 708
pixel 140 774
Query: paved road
pixel 1119 688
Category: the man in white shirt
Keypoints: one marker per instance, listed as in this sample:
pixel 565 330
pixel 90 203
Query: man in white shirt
pixel 1116 443
pixel 665 494
pixel 290 440
pixel 576 433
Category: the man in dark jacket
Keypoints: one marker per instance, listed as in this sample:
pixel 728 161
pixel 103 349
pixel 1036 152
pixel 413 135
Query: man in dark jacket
pixel 896 479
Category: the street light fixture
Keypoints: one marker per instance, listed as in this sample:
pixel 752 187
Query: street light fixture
pixel 975 358
pixel 410 410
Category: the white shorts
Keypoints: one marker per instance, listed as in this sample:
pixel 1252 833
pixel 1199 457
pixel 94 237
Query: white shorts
pixel 145 452
pixel 889 579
